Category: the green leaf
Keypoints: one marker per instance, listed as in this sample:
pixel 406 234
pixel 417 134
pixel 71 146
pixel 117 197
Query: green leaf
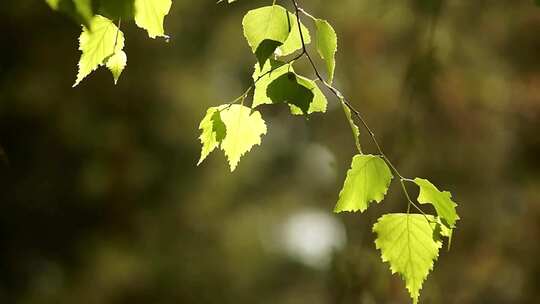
pixel 289 88
pixel 294 41
pixel 441 200
pixel 80 10
pixel 150 14
pixel 271 70
pixel 116 64
pixel 244 128
pixel 84 9
pixel 443 230
pixel 265 50
pixel 269 24
pixel 327 46
pixel 97 45
pixel 354 127
pixel 319 102
pixel 117 9
pixel 407 242
pixel 213 131
pixel 367 180
pixel 54 4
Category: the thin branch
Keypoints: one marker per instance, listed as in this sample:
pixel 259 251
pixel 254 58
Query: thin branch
pixel 357 113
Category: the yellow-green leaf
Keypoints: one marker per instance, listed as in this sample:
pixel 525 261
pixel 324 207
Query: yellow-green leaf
pixel 213 132
pixel 294 41
pixel 97 45
pixel 367 180
pixel 271 70
pixel 265 29
pixel 150 14
pixel 244 128
pixel 327 46
pixel 407 242
pixel 116 64
pixel 441 200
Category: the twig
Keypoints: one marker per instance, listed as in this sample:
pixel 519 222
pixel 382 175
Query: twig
pixel 357 113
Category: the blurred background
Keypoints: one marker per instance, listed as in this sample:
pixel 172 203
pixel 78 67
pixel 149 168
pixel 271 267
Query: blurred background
pixel 101 200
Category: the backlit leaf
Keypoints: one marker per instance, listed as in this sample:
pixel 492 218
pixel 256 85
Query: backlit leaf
pixel 213 132
pixel 116 64
pixel 407 242
pixel 441 200
pixel 97 45
pixel 150 14
pixel 271 70
pixel 367 180
pixel 327 45
pixel 294 41
pixel 265 29
pixel 244 128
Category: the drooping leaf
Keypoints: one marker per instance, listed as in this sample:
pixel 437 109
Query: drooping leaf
pixel 213 132
pixel 327 45
pixel 367 180
pixel 354 127
pixel 443 230
pixel 269 24
pixel 103 41
pixel 407 242
pixel 244 128
pixel 116 64
pixel 294 41
pixel 150 14
pixel 441 200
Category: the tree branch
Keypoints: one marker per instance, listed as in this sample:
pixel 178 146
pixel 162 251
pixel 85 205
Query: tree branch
pixel 357 113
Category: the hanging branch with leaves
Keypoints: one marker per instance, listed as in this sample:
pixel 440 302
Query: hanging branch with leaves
pixel 409 242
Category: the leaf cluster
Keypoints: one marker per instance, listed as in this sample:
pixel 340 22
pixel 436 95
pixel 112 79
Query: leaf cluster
pixel 409 242
pixel 102 41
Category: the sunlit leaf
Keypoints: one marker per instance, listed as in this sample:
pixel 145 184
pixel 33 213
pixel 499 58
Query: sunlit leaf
pixel 265 29
pixel 294 41
pixel 367 180
pixel 407 242
pixel 213 132
pixel 244 128
pixel 150 14
pixel 102 42
pixel 116 64
pixel 327 46
pixel 441 200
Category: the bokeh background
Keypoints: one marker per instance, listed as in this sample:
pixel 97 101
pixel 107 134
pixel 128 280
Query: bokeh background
pixel 101 200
